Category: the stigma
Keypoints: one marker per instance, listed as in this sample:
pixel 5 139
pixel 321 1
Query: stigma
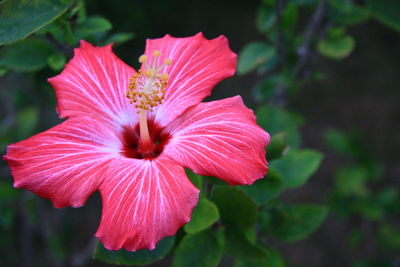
pixel 146 88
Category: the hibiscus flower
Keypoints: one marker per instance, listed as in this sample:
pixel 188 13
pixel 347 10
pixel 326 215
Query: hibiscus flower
pixel 131 134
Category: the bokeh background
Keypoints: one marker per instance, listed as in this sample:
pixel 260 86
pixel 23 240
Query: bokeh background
pixel 348 106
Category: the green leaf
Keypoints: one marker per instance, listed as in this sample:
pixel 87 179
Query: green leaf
pixel 236 208
pixel 368 208
pixel 389 237
pixel 306 2
pixel 343 5
pixel 266 18
pixel 386 12
pixel 57 62
pixel 253 55
pixel 27 121
pixel 196 179
pixel 266 89
pixel 3 71
pixel 265 189
pixel 140 257
pixel 198 250
pixel 93 25
pixel 351 181
pixel 238 245
pixel 336 48
pixel 297 166
pixel 119 38
pixel 20 18
pixel 204 215
pixel 290 16
pixel 26 55
pixel 338 142
pixel 355 15
pixel 294 223
pixel 274 259
pixel 277 120
pixel 387 197
pixel 277 147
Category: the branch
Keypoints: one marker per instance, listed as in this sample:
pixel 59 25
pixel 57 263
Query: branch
pixel 84 256
pixel 304 50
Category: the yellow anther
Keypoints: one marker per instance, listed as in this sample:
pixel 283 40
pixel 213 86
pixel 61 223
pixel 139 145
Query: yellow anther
pixel 143 59
pixel 164 77
pixel 147 87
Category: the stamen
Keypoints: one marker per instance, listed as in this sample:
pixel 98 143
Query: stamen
pixel 143 59
pixel 147 88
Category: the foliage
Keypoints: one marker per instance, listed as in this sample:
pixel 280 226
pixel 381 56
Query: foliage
pixel 241 223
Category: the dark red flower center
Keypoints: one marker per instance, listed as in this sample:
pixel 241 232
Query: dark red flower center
pixel 130 140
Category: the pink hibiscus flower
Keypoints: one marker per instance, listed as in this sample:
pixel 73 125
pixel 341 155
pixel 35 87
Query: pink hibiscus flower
pixel 131 134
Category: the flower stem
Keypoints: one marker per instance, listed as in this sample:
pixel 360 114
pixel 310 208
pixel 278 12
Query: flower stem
pixel 146 145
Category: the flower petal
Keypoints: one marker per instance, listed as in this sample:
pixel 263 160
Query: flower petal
pixel 221 139
pixel 144 201
pixel 94 83
pixel 64 164
pixel 197 66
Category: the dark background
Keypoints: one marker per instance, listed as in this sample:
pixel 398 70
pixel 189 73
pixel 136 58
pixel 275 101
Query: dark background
pixel 359 95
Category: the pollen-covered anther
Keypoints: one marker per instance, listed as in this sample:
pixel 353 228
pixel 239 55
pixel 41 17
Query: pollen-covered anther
pixel 147 88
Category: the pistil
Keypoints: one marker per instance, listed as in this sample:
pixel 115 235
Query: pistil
pixel 146 144
pixel 146 90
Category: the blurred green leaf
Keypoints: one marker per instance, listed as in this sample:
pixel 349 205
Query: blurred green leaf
pixel 236 208
pixel 27 121
pixel 355 15
pixel 26 55
pixel 139 257
pixel 204 215
pixel 266 17
pixel 274 259
pixel 296 222
pixel 351 181
pixel 268 66
pixel 198 250
pixel 253 55
pixel 277 147
pixel 78 11
pixel 387 12
pixel 266 89
pixel 368 208
pixel 195 179
pixel 336 48
pixel 3 71
pixel 93 25
pixel 265 189
pixel 342 5
pixel 387 197
pixel 119 38
pixel 57 62
pixel 277 120
pixel 389 237
pixel 20 18
pixel 238 245
pixel 306 2
pixel 290 16
pixel 297 166
pixel 355 238
pixel 338 141
pixel 61 31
